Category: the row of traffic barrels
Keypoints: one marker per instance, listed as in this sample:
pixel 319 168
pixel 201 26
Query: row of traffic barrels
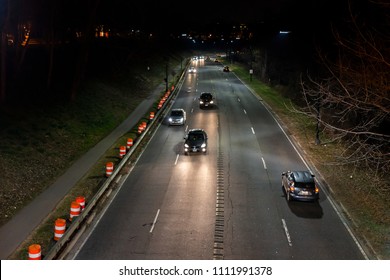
pixel 76 207
pixel 123 149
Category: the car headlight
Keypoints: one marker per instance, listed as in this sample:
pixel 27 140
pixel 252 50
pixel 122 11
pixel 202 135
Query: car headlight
pixel 203 145
pixel 211 102
pixel 201 102
pixel 181 119
pixel 186 145
pixel 170 119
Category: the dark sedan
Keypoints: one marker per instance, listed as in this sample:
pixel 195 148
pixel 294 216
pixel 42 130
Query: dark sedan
pixel 206 99
pixel 195 141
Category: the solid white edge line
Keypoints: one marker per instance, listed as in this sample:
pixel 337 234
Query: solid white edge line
pixel 155 220
pixel 253 131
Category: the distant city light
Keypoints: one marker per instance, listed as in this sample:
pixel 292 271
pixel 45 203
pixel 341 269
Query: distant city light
pixel 284 32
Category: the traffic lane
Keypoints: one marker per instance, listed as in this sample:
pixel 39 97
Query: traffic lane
pixel 326 229
pixel 185 228
pixel 123 232
pixel 139 200
pixel 183 197
pixel 185 225
pixel 317 233
pixel 305 223
pixel 252 230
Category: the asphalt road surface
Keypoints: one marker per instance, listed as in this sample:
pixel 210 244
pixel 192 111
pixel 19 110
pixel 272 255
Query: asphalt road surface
pixel 225 204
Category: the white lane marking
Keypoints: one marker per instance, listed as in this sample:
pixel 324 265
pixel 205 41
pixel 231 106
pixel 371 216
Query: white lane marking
pixel 155 220
pixel 265 166
pixel 287 234
pixel 253 131
pixel 238 99
pixel 177 158
pixel 244 111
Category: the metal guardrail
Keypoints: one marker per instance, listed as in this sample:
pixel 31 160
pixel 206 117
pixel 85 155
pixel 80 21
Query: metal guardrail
pixel 77 222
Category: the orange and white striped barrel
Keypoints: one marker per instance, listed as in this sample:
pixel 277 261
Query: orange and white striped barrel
pixel 172 87
pixel 75 210
pixel 144 124
pixel 140 128
pixel 122 151
pixel 160 104
pixel 34 252
pixel 129 143
pixel 81 200
pixel 59 228
pixel 109 168
pixel 151 116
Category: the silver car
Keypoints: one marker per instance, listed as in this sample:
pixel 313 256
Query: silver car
pixel 177 117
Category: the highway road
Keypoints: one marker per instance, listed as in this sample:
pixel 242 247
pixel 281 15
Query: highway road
pixel 226 204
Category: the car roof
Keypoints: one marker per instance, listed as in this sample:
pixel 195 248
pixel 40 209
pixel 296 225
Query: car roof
pixel 206 93
pixel 303 176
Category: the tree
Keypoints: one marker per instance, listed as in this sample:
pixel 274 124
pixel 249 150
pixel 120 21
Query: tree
pixel 354 96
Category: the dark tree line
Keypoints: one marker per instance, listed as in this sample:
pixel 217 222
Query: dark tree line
pixel 43 28
pixel 351 101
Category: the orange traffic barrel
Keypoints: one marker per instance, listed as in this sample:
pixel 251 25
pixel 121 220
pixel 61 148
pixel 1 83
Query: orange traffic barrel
pixel 172 88
pixel 109 168
pixel 144 124
pixel 140 128
pixel 122 151
pixel 81 200
pixel 160 104
pixel 129 143
pixel 34 252
pixel 59 228
pixel 151 116
pixel 75 210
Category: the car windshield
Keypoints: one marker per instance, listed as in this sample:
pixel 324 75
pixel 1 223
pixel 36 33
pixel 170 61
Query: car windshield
pixel 196 136
pixel 206 96
pixel 177 113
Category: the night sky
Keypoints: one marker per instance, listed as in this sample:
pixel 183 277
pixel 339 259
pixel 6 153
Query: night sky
pixel 171 15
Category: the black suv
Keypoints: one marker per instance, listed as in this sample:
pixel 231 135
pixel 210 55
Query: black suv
pixel 300 185
pixel 206 99
pixel 195 141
